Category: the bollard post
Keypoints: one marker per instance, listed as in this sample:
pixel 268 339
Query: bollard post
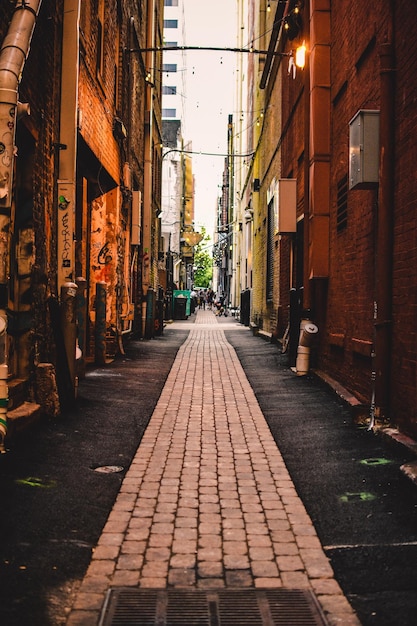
pixel 100 327
pixel 69 328
pixel 150 314
pixel 81 311
pixel 4 371
pixel 308 331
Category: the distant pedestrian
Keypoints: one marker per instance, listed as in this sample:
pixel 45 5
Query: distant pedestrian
pixel 210 298
pixel 193 300
pixel 202 299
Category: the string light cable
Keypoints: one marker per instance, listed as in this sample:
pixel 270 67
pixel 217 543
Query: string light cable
pixel 201 153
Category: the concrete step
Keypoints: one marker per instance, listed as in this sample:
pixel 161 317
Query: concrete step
pixel 21 417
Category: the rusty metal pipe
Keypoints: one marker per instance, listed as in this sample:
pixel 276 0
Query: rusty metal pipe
pixel 13 54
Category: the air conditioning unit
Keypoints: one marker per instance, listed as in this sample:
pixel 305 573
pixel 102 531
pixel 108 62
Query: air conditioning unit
pixel 364 150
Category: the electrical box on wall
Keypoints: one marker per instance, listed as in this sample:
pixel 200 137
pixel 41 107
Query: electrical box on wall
pixel 287 205
pixel 364 150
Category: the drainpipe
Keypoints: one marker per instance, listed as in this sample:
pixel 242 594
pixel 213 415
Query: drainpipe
pixel 13 55
pixel 384 251
pixel 147 182
pixel 66 184
pixel 67 145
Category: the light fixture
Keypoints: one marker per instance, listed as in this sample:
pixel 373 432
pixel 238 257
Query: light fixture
pixel 268 7
pixel 300 56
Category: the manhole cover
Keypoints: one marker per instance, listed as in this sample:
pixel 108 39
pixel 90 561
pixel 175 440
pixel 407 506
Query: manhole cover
pixel 108 469
pixel 225 607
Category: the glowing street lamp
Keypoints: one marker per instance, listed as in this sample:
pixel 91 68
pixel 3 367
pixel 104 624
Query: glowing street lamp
pixel 300 56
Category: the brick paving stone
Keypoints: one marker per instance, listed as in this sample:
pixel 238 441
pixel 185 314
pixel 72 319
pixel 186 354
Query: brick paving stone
pixel 185 561
pixel 286 548
pixel 211 583
pixel 207 501
pixel 239 578
pixel 261 554
pixel 290 563
pixel 213 569
pixel 151 583
pixel 236 561
pixel 271 583
pixel 133 547
pixel 130 562
pixel 210 541
pixel 235 547
pixel 94 584
pixel 106 552
pixel 89 601
pixel 126 578
pixel 182 578
pixel 160 541
pixel 264 569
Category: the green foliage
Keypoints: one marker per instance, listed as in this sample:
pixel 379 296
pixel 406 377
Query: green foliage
pixel 203 261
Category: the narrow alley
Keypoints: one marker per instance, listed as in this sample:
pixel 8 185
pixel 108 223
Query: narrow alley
pixel 206 525
pixel 207 501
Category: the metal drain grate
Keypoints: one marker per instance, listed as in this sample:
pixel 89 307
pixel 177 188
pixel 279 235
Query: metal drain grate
pixel 223 607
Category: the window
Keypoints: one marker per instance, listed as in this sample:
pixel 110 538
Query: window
pixel 100 38
pixel 169 67
pixel 342 203
pixel 169 112
pixel 171 3
pixel 167 90
pixel 170 23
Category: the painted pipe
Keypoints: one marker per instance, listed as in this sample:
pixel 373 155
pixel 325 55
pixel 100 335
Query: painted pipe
pixel 4 371
pixel 100 325
pixel 13 55
pixel 66 183
pixel 69 327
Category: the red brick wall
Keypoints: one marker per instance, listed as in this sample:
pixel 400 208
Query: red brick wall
pixel 40 87
pixel 357 32
pixel 97 91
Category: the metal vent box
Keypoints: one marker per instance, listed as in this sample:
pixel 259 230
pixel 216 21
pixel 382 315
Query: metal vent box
pixel 364 149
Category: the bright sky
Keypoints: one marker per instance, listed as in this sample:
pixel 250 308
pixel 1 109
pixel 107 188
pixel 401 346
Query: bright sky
pixel 210 89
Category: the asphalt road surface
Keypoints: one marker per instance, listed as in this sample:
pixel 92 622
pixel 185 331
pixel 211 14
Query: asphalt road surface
pixel 363 508
pixel 54 502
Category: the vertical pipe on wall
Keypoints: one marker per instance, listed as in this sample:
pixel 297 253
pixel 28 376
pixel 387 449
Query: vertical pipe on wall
pixel 384 251
pixel 13 54
pixel 306 190
pixel 100 328
pixel 148 160
pixel 69 326
pixel 68 142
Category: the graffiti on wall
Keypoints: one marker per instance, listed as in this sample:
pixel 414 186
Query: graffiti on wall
pixel 65 232
pixel 104 255
pixel 6 154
